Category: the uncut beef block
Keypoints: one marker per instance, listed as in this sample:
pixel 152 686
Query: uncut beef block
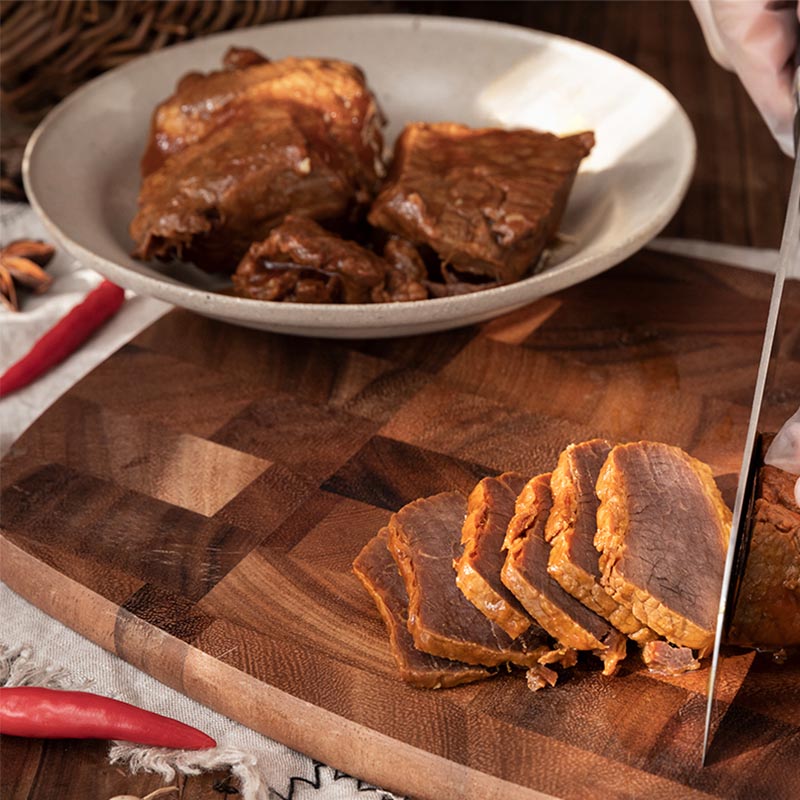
pixel 767 614
pixel 571 529
pixel 487 201
pixel 424 540
pixel 662 533
pixel 489 510
pixel 525 574
pixel 377 570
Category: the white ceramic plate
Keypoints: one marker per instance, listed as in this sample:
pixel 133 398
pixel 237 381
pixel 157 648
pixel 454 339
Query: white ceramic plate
pixel 81 165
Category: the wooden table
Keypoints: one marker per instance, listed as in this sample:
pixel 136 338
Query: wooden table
pixel 738 196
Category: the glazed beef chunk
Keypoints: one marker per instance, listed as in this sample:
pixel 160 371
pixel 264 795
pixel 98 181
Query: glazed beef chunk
pixel 487 201
pixel 233 151
pixel 302 262
pixel 334 90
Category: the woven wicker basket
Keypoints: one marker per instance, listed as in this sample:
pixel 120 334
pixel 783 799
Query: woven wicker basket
pixel 51 47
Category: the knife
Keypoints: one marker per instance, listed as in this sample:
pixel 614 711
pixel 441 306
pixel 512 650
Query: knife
pixel 738 544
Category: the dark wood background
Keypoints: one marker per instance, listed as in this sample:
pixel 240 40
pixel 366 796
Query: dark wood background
pixel 738 196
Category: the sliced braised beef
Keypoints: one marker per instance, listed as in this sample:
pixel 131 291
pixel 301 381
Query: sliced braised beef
pixel 377 570
pixel 489 510
pixel 486 200
pixel 571 529
pixel 662 535
pixel 525 574
pixel 767 614
pixel 425 540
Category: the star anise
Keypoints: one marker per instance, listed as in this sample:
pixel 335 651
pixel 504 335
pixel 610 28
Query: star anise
pixel 21 263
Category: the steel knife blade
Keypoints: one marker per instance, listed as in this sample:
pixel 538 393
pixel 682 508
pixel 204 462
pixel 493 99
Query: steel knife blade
pixel 738 544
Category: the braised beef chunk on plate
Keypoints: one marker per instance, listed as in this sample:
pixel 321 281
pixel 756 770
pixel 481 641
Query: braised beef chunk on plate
pixel 377 570
pixel 490 507
pixel 233 151
pixel 335 91
pixel 488 201
pixel 571 527
pixel 302 262
pixel 767 614
pixel 662 533
pixel 424 540
pixel 525 573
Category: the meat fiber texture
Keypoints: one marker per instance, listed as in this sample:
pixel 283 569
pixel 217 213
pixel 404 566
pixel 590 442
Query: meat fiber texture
pixel 487 201
pixel 571 528
pixel 377 570
pixel 233 151
pixel 424 540
pixel 525 574
pixel 489 510
pixel 662 533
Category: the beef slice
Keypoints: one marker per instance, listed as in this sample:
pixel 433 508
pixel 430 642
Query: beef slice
pixel 767 612
pixel 425 540
pixel 662 534
pixel 377 570
pixel 571 529
pixel 490 507
pixel 525 573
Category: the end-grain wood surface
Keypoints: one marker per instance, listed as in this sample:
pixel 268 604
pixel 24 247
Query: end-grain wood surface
pixel 203 527
pixel 301 446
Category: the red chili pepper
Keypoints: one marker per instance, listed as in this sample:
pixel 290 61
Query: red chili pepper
pixel 59 714
pixel 64 337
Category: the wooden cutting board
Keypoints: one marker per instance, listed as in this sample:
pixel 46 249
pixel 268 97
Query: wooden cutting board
pixel 195 503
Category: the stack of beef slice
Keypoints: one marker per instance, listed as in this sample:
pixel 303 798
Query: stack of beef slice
pixel 618 543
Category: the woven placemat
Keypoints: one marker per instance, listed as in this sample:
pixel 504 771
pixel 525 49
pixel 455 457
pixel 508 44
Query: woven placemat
pixel 50 48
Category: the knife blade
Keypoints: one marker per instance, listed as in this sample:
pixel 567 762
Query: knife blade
pixel 738 543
